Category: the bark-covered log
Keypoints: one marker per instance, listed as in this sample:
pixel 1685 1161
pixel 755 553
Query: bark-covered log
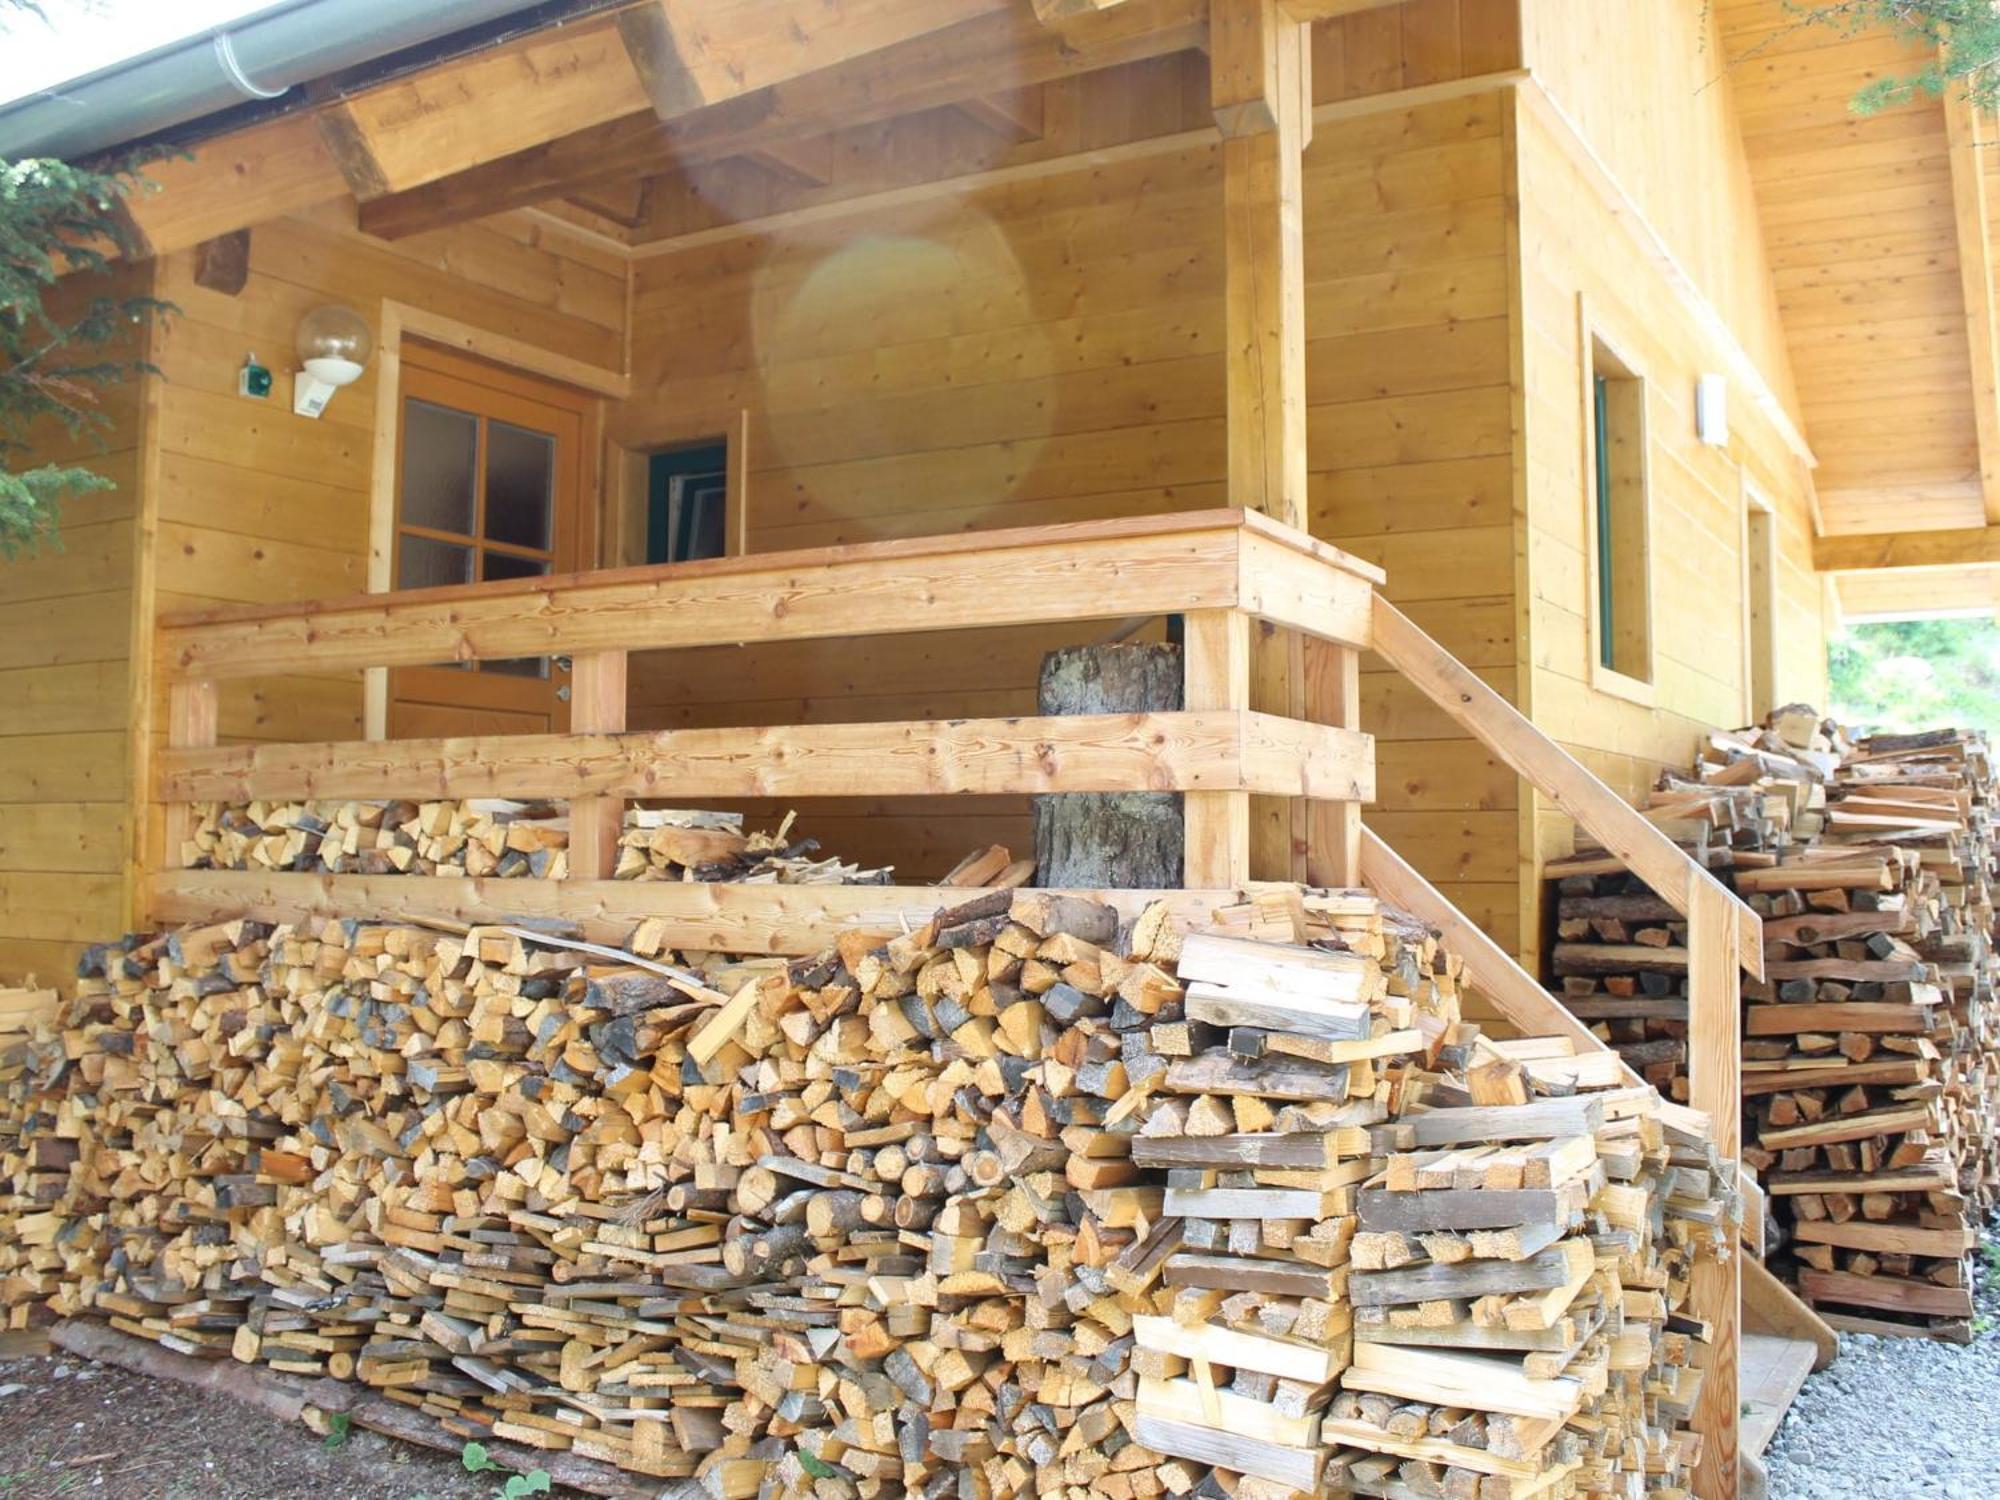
pixel 1128 840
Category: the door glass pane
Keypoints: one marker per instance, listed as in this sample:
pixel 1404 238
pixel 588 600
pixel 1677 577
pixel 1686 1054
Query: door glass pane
pixel 497 565
pixel 520 468
pixel 440 448
pixel 427 564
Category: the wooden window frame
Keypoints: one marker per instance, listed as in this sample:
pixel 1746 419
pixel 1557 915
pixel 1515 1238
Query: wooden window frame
pixel 1631 493
pixel 1760 603
pixel 631 459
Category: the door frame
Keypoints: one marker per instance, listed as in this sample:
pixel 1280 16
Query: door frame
pixel 398 321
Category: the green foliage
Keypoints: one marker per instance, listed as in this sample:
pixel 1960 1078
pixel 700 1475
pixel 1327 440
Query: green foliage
pixel 1907 675
pixel 478 1461
pixel 56 220
pixel 1961 36
pixel 337 1428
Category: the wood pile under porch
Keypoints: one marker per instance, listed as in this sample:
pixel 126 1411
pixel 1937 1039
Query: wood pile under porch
pixel 1270 791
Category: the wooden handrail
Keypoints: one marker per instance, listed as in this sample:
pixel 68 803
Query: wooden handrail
pixel 1509 734
pixel 1512 989
pixel 1202 560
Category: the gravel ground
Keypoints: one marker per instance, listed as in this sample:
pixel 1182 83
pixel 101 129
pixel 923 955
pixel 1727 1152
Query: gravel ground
pixel 1898 1419
pixel 77 1430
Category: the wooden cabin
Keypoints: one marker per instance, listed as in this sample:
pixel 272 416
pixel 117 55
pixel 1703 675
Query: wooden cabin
pixel 825 366
pixel 961 267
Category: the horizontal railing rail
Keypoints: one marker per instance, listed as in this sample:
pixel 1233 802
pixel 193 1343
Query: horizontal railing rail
pixel 1218 751
pixel 1108 570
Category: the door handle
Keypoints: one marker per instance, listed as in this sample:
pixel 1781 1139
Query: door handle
pixel 563 663
pixel 562 693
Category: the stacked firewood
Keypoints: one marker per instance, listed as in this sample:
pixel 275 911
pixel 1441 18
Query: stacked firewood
pixel 1018 1201
pixel 676 844
pixel 1872 1051
pixel 499 839
pixel 1518 1285
pixel 1871 1071
pixel 1621 958
pixel 488 837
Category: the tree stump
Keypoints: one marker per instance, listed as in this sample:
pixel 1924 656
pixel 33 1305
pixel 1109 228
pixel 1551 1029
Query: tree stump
pixel 1109 840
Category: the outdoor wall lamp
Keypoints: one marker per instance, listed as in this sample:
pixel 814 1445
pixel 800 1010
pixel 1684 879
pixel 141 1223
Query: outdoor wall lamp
pixel 334 344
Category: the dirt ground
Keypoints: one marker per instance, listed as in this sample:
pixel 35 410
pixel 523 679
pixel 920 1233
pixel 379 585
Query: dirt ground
pixel 82 1431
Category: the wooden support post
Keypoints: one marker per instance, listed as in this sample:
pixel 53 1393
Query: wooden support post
pixel 1715 1051
pixel 1216 647
pixel 1330 832
pixel 1260 83
pixel 193 722
pixel 597 706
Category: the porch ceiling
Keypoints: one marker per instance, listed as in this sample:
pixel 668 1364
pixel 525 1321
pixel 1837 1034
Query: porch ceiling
pixel 1877 229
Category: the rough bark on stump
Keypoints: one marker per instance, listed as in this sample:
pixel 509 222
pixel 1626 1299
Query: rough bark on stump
pixel 1109 840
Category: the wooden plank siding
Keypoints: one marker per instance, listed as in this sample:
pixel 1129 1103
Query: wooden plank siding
pixel 258 506
pixel 1581 257
pixel 66 641
pixel 1049 349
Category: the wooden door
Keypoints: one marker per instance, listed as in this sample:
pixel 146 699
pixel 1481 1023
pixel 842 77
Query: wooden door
pixel 491 484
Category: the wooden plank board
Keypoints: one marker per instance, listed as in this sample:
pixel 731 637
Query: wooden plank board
pixel 1219 751
pixel 699 916
pixel 1771 1372
pixel 1079 571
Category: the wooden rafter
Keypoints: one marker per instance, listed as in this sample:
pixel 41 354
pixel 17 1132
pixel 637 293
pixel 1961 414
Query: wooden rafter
pixel 1971 546
pixel 1969 134
pixel 626 94
pixel 962 62
pixel 1013 113
pixel 694 53
pixel 393 136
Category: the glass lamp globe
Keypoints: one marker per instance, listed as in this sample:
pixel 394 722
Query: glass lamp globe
pixel 334 343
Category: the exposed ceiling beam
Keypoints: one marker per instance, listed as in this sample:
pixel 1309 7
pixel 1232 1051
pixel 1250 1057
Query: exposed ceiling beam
pixel 694 53
pixel 972 59
pixel 1969 547
pixel 393 136
pixel 1970 135
pixel 1013 113
pixel 614 72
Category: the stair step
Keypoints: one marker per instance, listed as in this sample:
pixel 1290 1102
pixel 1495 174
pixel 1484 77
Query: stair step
pixel 1771 1372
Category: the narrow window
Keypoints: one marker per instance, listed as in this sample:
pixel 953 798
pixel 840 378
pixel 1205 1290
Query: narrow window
pixel 687 513
pixel 1620 586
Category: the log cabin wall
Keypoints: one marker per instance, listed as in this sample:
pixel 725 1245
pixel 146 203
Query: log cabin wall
pixel 257 505
pixel 1624 148
pixel 1046 346
pixel 66 648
